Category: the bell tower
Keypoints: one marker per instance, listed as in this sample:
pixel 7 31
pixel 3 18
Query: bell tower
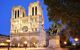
pixel 35 9
pixel 18 12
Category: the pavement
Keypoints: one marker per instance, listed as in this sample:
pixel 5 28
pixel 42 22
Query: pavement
pixel 34 49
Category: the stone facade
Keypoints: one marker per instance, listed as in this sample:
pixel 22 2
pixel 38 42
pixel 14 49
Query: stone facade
pixel 54 42
pixel 29 28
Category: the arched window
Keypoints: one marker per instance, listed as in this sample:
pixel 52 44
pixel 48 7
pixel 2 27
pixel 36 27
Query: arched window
pixel 35 10
pixel 18 13
pixel 23 14
pixel 14 42
pixel 23 39
pixel 34 42
pixel 15 13
pixel 32 10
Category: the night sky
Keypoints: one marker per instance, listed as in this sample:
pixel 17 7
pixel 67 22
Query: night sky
pixel 5 13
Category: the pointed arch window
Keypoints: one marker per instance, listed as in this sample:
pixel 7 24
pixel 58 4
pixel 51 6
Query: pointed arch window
pixel 15 13
pixel 23 14
pixel 18 13
pixel 36 10
pixel 32 10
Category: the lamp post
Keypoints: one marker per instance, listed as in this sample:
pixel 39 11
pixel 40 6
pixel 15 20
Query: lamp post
pixel 65 43
pixel 8 41
pixel 25 42
pixel 76 40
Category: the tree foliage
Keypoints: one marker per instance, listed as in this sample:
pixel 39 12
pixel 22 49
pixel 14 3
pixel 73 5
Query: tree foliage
pixel 66 10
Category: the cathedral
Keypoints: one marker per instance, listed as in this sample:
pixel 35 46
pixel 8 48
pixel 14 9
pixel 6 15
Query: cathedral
pixel 28 29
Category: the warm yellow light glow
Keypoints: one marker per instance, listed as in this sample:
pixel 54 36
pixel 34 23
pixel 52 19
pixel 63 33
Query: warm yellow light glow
pixel 76 39
pixel 34 43
pixel 25 42
pixel 3 44
pixel 65 42
pixel 7 40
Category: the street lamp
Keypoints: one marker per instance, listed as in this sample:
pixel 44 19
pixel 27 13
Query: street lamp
pixel 25 42
pixel 76 40
pixel 65 42
pixel 8 41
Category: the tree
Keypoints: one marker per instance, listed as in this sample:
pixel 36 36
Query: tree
pixel 66 10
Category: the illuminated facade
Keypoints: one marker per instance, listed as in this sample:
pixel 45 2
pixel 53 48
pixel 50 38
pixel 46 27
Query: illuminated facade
pixel 29 28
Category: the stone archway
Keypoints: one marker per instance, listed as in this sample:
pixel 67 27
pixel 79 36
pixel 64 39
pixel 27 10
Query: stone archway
pixel 14 42
pixel 22 40
pixel 34 42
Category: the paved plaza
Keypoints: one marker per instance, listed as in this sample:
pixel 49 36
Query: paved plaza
pixel 34 49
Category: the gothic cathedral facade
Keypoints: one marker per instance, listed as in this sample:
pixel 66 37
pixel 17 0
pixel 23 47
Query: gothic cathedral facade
pixel 28 28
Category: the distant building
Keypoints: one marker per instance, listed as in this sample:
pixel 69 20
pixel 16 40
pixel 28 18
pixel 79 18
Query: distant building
pixel 3 38
pixel 29 29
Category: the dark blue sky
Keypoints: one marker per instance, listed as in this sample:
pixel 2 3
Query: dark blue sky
pixel 5 13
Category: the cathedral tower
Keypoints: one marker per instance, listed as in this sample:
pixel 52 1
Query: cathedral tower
pixel 18 11
pixel 35 9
